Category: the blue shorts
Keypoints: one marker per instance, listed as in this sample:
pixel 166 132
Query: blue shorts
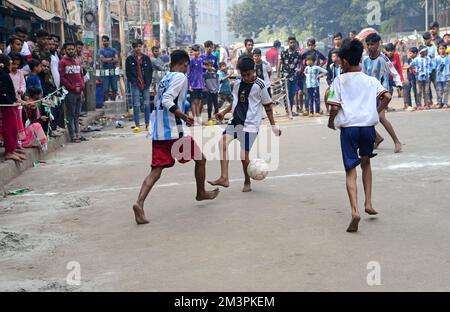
pixel 356 142
pixel 246 139
pixel 300 83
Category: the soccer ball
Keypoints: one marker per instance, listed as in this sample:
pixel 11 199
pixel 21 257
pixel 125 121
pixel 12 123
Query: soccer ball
pixel 258 169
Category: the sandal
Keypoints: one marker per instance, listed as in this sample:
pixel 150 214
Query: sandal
pixel 76 140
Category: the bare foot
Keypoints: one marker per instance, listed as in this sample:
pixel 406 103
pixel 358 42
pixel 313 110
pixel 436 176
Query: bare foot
pixel 220 182
pixel 370 211
pixel 22 157
pixel 378 142
pixel 13 157
pixel 139 214
pixel 208 195
pixel 247 188
pixel 353 227
pixel 20 151
pixel 398 147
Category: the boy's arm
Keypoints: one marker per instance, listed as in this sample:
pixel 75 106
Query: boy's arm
pixel 333 113
pixel 171 94
pixel 269 111
pixel 385 98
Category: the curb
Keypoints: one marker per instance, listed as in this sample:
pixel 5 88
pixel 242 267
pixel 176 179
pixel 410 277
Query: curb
pixel 10 170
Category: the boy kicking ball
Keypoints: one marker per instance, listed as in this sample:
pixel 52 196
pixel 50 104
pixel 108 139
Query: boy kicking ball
pixel 353 98
pixel 250 95
pixel 168 123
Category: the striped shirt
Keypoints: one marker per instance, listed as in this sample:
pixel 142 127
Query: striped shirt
pixel 424 66
pixel 312 74
pixel 442 68
pixel 380 68
pixel 432 51
pixel 172 93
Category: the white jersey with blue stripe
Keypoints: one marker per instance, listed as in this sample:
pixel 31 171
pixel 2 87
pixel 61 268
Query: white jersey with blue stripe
pixel 424 66
pixel 380 68
pixel 172 94
pixel 442 68
pixel 312 74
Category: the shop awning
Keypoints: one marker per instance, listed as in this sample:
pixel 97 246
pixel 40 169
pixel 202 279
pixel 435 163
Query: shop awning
pixel 31 8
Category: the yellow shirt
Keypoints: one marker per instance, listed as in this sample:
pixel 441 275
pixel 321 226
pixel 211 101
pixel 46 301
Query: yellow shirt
pixel 448 50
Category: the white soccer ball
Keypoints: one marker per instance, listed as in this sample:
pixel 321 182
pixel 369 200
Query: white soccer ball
pixel 258 169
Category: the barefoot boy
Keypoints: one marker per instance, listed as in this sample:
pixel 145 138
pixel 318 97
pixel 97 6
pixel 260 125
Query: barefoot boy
pixel 250 95
pixel 167 128
pixel 353 98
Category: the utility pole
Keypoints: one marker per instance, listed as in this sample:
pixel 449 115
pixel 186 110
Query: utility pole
pixel 123 45
pixel 434 10
pixel 426 15
pixel 104 18
pixel 162 24
pixel 193 15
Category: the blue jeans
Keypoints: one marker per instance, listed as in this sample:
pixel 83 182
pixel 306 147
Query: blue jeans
pixel 109 83
pixel 292 90
pixel 411 85
pixel 138 95
pixel 313 97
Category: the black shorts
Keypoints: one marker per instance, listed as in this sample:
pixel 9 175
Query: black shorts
pixel 196 94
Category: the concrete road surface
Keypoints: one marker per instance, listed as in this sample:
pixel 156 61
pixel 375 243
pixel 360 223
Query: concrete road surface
pixel 287 235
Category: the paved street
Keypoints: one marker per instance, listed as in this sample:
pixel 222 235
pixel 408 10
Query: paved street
pixel 287 235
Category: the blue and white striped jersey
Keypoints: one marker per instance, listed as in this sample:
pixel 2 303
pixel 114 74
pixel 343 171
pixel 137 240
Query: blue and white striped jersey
pixel 442 68
pixel 380 68
pixel 424 66
pixel 172 94
pixel 432 51
pixel 312 74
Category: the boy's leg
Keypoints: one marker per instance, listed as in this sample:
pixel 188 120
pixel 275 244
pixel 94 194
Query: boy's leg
pixel 445 95
pixel 421 93
pixel 427 93
pixel 76 119
pixel 200 173
pixel 317 99
pixel 407 101
pixel 414 88
pixel 390 129
pixel 224 162
pixel 147 186
pixel 209 105
pixel 245 162
pixel 136 95
pixel 367 183
pixel 440 93
pixel 352 192
pixel 215 98
pixel 310 101
pixel 69 105
pixel 147 109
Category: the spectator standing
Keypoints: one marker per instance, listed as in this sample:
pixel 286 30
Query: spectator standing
pixel 109 60
pixel 432 53
pixel 273 55
pixel 41 50
pixel 139 71
pixel 337 40
pixel 434 31
pixel 22 33
pixel 212 89
pixel 410 82
pixel 442 76
pixel 423 66
pixel 71 75
pixel 196 82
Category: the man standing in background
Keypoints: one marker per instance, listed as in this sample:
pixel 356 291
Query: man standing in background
pixel 109 60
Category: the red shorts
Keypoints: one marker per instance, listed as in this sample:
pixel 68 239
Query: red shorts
pixel 164 153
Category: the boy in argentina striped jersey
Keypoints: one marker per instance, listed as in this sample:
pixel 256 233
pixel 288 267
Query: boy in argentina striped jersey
pixel 168 132
pixel 377 65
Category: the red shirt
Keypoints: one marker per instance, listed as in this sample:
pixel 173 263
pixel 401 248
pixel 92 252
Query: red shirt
pixel 396 61
pixel 140 77
pixel 272 56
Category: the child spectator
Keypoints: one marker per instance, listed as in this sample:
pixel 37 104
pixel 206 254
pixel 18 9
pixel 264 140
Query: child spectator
pixel 432 53
pixel 394 57
pixel 353 97
pixel 334 70
pixel 410 83
pixel 423 66
pixel 313 74
pixel 196 83
pixel 263 69
pixel 34 134
pixel 33 80
pixel 212 89
pixel 442 76
pixel 225 95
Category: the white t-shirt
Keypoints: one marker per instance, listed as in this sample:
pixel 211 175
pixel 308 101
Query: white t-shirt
pixel 25 50
pixel 356 94
pixel 263 71
pixel 54 68
pixel 248 102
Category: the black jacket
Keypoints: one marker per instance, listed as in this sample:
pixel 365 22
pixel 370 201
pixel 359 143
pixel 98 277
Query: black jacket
pixel 7 93
pixel 131 68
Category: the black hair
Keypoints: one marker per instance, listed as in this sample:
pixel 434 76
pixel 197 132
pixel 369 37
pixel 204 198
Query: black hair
pixel 389 47
pixel 434 25
pixel 154 48
pixel 311 41
pixel 33 91
pixel 136 43
pixel 41 33
pixel 413 50
pixel 5 61
pixel 56 37
pixel 195 47
pixel 208 62
pixel 208 44
pixel 337 35
pixel 426 36
pixel 421 47
pixel 13 38
pixel 292 38
pixel 33 63
pixel 20 29
pixel 311 57
pixel 373 38
pixel 222 64
pixel 334 51
pixel 79 43
pixel 245 64
pixel 352 51
pixel 442 45
pixel 353 32
pixel 276 44
pixel 248 40
pixel 68 44
pixel 179 57
pixel 17 57
pixel 446 35
pixel 105 37
pixel 257 51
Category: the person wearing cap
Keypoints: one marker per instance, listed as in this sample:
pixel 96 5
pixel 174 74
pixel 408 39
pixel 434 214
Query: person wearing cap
pixel 423 66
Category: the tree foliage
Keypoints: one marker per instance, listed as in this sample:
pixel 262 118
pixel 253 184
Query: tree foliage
pixel 321 17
